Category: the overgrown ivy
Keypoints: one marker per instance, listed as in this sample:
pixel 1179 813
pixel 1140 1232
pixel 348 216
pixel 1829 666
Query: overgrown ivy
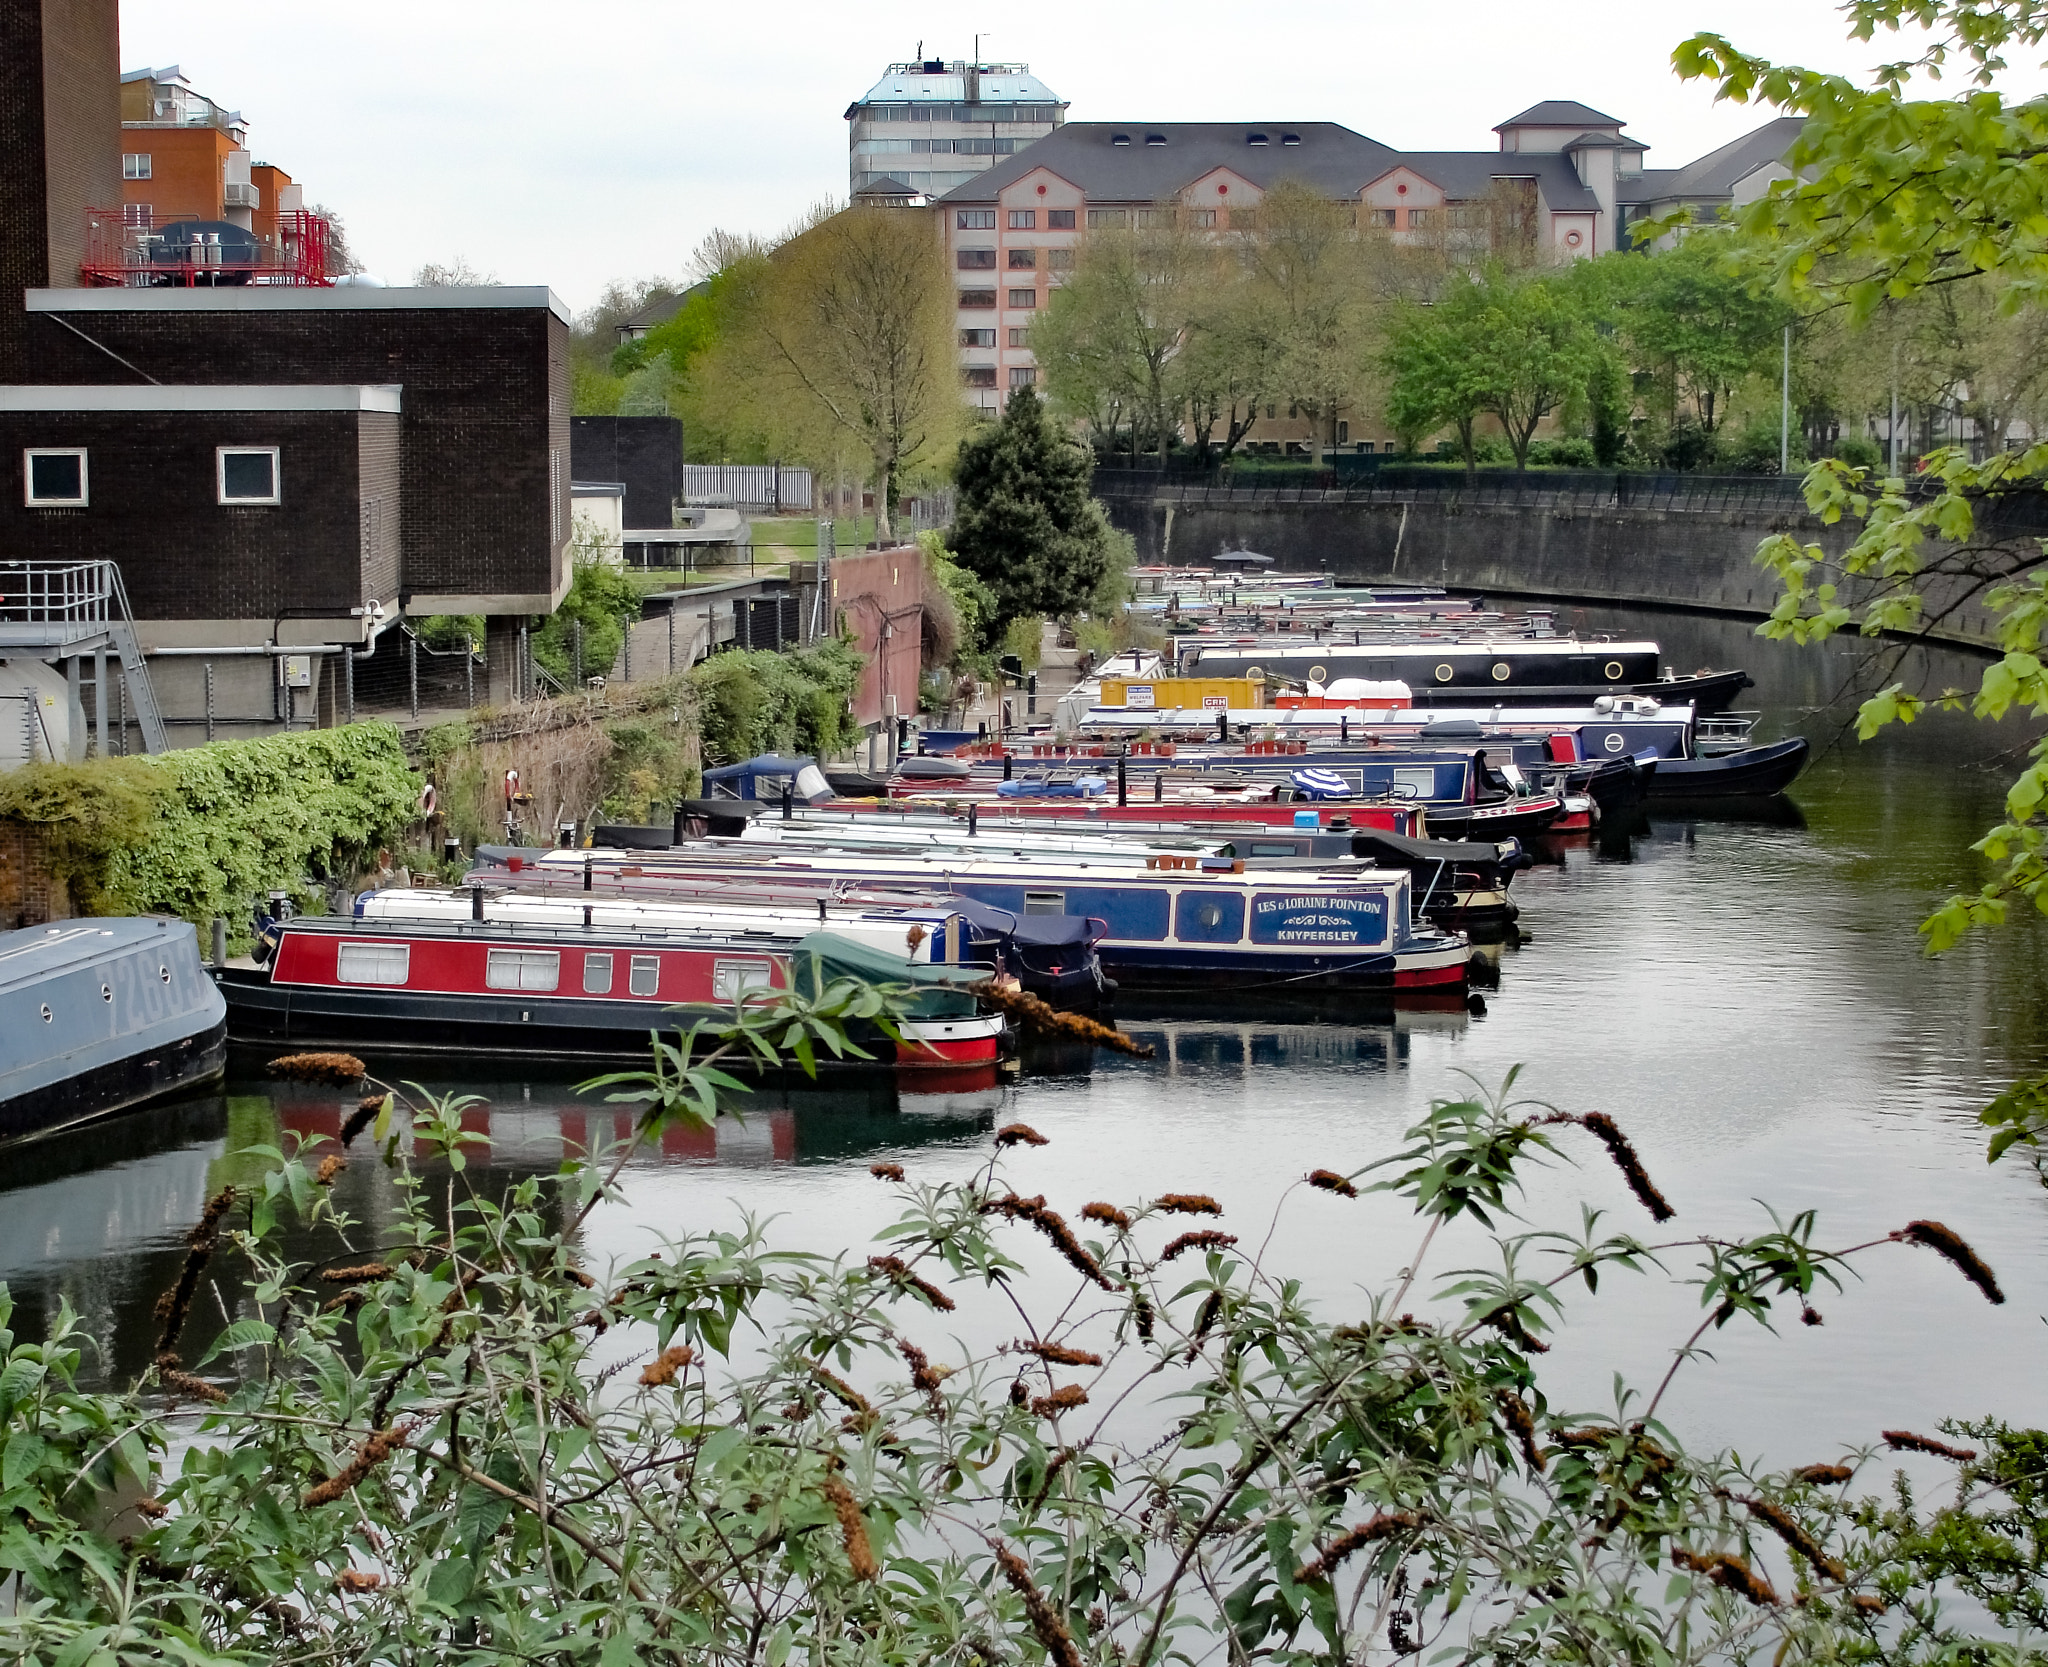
pixel 207 830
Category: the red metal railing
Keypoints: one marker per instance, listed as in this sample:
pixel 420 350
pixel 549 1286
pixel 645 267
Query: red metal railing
pixel 125 248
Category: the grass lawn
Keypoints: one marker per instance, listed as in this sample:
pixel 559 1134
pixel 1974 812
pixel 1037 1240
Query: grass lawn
pixel 802 532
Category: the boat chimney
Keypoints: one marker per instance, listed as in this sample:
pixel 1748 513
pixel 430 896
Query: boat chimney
pixel 476 902
pixel 676 838
pixel 220 940
pixel 973 820
pixel 588 863
pixel 451 849
pixel 1007 764
pixel 788 801
pixel 1123 779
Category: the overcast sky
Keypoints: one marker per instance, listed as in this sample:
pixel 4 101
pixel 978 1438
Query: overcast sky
pixel 568 145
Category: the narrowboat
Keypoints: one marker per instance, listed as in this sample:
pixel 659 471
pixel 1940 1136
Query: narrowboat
pixel 101 1016
pixel 1454 672
pixel 564 991
pixel 1188 923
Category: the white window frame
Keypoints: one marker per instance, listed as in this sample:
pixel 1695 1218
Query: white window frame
pixel 221 454
pixel 647 967
pixel 28 478
pixel 733 981
pixel 597 972
pixel 136 165
pixel 529 965
pixel 383 958
pixel 1045 902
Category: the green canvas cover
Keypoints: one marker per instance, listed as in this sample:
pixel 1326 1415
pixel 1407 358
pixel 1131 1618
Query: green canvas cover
pixel 941 991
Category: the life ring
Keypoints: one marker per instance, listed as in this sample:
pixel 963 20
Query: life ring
pixel 430 801
pixel 1612 671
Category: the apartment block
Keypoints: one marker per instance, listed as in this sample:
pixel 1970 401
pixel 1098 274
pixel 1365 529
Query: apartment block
pixel 930 125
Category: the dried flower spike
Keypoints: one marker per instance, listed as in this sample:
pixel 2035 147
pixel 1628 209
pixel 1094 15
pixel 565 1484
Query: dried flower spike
pixel 1905 1441
pixel 1782 1523
pixel 1729 1572
pixel 1330 1181
pixel 898 1271
pixel 662 1370
pixel 1515 1414
pixel 922 1378
pixel 1187 1204
pixel 1045 1020
pixel 1605 1130
pixel 1020 1134
pixel 1063 1399
pixel 1108 1214
pixel 1054 1226
pixel 1207 1239
pixel 356 1275
pixel 1058 1355
pixel 853 1528
pixel 330 1166
pixel 357 1580
pixel 1822 1475
pixel 362 1117
pixel 342 1069
pixel 1045 1620
pixel 1864 1603
pixel 1951 1246
pixel 886 1171
pixel 378 1446
pixel 1384 1525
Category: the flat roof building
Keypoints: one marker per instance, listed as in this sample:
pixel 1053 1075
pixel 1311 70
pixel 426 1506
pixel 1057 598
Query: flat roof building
pixel 930 125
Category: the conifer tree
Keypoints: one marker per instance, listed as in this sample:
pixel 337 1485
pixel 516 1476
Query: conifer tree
pixel 1025 524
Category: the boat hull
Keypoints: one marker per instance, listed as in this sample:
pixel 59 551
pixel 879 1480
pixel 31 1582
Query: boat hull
pixel 1420 971
pixel 1755 772
pixel 540 1027
pixel 179 1065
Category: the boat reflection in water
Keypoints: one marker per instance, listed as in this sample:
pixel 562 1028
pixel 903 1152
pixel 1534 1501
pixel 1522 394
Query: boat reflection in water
pixel 101 1224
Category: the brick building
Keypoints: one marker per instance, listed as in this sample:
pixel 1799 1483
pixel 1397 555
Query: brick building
pixel 281 468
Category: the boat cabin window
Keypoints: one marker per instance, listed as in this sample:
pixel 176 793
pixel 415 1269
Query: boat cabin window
pixel 645 979
pixel 373 963
pixel 731 980
pixel 523 969
pixel 597 975
pixel 1415 784
pixel 1287 850
pixel 1045 902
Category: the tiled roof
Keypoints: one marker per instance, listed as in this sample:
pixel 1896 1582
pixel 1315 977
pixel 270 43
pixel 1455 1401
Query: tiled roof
pixel 1714 176
pixel 1560 112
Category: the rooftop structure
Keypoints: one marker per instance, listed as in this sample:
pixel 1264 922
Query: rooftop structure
pixel 931 124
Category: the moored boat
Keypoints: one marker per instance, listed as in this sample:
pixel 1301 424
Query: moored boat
pixel 101 1016
pixel 549 990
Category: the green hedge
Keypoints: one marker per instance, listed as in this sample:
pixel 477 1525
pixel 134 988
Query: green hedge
pixel 208 830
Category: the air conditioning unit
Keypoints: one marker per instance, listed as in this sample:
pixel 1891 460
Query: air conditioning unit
pixel 241 196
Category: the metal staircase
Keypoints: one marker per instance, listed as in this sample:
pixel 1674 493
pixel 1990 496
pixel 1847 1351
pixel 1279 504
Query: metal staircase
pixel 75 611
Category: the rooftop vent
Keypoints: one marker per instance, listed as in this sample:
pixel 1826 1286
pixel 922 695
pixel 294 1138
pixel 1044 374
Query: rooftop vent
pixel 1119 138
pixel 1255 138
pixel 1155 138
pixel 1290 138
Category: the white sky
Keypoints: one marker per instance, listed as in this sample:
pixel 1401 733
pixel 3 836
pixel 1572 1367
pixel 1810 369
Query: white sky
pixel 571 144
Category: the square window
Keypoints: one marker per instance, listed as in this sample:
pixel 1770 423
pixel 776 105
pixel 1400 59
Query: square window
pixel 977 338
pixel 1202 219
pixel 1021 298
pixel 247 474
pixel 1244 219
pixel 1059 219
pixel 970 298
pixel 1022 376
pixel 975 220
pixel 1106 217
pixel 1045 902
pixel 979 376
pixel 597 974
pixel 373 963
pixel 731 980
pixel 54 479
pixel 523 969
pixel 135 166
pixel 1020 335
pixel 1023 219
pixel 645 978
pixel 1023 260
pixel 1420 219
pixel 1060 260
pixel 1381 217
pixel 975 260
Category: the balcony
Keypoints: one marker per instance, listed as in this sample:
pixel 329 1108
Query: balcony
pixel 241 196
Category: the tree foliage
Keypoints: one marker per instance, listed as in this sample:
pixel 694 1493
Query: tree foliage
pixel 999 1433
pixel 1025 524
pixel 842 338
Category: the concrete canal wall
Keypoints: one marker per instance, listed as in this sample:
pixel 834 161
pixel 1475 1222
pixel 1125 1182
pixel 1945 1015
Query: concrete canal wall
pixel 1544 546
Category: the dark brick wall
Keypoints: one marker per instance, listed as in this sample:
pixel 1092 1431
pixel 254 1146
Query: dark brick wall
pixel 484 435
pixel 81 122
pixel 154 509
pixel 60 153
pixel 645 453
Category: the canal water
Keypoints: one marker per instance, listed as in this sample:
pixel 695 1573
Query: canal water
pixel 1746 995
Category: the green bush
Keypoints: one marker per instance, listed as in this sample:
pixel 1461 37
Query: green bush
pixel 1859 451
pixel 1570 453
pixel 208 830
pixel 755 701
pixel 605 600
pixel 1753 449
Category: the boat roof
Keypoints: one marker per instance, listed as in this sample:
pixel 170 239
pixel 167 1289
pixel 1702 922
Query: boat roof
pixel 32 953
